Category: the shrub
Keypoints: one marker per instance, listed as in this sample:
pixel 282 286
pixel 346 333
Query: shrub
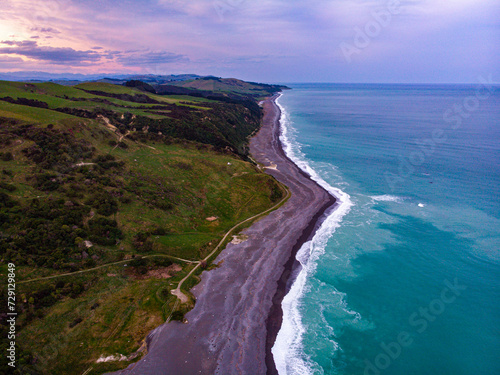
pixel 104 231
pixel 104 202
pixel 177 315
pixel 75 322
pixel 142 242
pixel 6 186
pixel 6 156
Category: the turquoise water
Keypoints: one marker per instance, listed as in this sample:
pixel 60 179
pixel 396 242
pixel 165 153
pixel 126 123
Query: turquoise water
pixel 404 278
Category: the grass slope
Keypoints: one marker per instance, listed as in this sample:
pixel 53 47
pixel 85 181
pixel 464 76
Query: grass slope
pixel 121 209
pixel 230 87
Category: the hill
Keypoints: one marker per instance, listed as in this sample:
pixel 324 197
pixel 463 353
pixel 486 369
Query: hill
pixel 109 196
pixel 229 87
pixel 132 110
pixel 73 79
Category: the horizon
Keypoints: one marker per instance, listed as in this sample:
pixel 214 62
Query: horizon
pixel 112 76
pixel 273 41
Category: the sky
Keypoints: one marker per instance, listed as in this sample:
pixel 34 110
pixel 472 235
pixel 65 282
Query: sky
pixel 394 41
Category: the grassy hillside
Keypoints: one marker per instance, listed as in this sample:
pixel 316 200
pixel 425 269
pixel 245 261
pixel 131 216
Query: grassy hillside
pixel 224 125
pixel 229 88
pixel 109 196
pixel 229 85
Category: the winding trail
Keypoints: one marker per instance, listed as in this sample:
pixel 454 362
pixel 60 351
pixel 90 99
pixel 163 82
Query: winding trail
pixel 178 292
pixel 102 266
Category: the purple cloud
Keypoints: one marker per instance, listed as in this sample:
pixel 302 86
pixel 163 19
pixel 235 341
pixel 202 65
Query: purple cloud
pixel 67 55
pixel 54 55
pixel 149 58
pixel 45 30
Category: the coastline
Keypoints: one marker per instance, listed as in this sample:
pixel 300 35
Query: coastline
pixel 237 315
pixel 292 266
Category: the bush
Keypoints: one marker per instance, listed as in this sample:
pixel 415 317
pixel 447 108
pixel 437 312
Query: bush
pixel 6 186
pixel 75 322
pixel 177 315
pixel 6 156
pixel 104 231
pixel 159 231
pixel 142 243
pixel 104 202
pixel 47 182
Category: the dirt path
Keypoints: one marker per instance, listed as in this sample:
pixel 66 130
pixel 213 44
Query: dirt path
pixel 178 292
pixel 102 266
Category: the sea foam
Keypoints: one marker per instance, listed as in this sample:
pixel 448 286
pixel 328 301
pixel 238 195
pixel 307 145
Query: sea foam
pixel 387 198
pixel 288 351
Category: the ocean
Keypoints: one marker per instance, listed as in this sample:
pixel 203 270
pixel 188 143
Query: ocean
pixel 404 277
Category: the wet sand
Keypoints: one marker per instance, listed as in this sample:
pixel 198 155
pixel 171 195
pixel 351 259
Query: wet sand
pixel 238 305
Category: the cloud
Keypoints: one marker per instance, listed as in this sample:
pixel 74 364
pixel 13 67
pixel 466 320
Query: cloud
pixel 261 40
pixel 149 58
pixel 49 30
pixel 54 55
pixel 70 56
pixel 8 59
pixel 193 8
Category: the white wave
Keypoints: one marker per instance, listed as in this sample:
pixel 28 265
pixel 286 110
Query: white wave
pixel 288 345
pixel 386 198
pixel 288 349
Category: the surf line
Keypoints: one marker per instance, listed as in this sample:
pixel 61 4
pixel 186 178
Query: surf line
pixel 323 224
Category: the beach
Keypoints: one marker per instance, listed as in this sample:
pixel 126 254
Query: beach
pixel 237 314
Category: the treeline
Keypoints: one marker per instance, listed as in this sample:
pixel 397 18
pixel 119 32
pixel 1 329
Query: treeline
pixel 136 98
pixel 27 102
pixel 223 126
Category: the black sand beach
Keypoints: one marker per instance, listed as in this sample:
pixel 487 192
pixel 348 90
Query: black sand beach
pixel 238 310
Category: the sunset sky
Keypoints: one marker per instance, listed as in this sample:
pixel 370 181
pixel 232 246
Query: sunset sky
pixel 268 40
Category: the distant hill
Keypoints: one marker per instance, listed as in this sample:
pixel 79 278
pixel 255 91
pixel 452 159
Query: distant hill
pixel 149 78
pixel 223 89
pixel 185 84
pixel 228 85
pixel 71 78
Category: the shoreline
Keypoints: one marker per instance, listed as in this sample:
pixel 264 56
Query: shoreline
pixel 237 314
pixel 290 273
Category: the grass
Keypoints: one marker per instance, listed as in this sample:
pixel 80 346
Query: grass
pixel 184 245
pixel 31 114
pixel 116 89
pixel 226 85
pixel 56 97
pixel 127 310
